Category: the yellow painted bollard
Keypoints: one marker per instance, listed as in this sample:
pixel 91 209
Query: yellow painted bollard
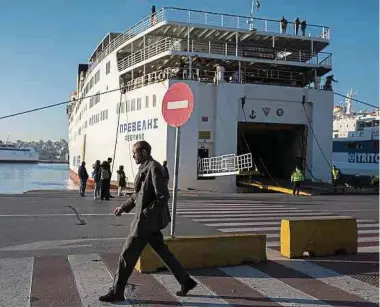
pixel 318 236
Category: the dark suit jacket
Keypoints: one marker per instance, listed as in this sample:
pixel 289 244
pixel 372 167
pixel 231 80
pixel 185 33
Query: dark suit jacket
pixel 150 199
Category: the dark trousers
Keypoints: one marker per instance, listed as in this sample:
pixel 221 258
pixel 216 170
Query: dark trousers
pixel 296 188
pixel 105 189
pixel 82 186
pixel 132 249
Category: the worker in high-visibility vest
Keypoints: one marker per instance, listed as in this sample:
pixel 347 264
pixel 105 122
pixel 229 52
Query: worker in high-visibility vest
pixel 297 178
pixel 335 177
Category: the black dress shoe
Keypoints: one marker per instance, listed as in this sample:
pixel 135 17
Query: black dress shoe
pixel 189 285
pixel 112 296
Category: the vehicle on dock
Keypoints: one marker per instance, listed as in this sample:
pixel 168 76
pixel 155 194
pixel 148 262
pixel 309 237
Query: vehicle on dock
pixel 257 98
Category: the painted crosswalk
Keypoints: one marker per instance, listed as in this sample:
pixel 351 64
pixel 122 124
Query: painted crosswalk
pixel 266 218
pixel 78 280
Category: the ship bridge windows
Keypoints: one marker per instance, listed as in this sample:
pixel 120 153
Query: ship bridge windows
pixel 146 101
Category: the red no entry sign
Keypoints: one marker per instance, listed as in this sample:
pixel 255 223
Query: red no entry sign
pixel 177 104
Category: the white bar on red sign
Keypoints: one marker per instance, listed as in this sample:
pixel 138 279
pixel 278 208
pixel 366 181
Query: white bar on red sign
pixel 181 104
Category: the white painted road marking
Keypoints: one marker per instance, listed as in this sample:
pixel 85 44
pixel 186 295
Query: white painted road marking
pixel 200 295
pixel 329 277
pixel 16 281
pixel 272 288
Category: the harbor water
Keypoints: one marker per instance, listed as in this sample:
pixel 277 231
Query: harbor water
pixel 18 178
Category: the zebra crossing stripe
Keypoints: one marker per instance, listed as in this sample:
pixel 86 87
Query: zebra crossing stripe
pixel 329 277
pixel 276 290
pixel 249 218
pixel 270 281
pixel 277 222
pixel 200 295
pixel 15 281
pixel 257 214
pixel 223 211
pixel 92 278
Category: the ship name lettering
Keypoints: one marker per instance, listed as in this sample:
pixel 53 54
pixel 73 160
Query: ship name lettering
pixel 363 158
pixel 140 125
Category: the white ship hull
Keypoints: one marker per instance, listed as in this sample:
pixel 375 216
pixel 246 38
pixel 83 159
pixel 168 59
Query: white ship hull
pixel 98 141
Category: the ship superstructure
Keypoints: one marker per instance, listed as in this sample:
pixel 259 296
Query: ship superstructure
pixel 257 91
pixel 356 139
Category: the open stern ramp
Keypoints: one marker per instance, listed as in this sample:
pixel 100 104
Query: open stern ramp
pixel 225 165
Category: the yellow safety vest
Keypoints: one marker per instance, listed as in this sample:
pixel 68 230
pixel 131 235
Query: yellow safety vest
pixel 335 173
pixel 297 176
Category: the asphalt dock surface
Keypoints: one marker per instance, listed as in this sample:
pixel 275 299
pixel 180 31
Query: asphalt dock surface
pixel 60 249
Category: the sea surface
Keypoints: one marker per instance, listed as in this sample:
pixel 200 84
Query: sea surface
pixel 18 178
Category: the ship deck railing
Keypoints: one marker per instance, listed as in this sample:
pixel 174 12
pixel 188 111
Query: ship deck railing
pixel 247 76
pixel 194 17
pixel 204 49
pixel 230 164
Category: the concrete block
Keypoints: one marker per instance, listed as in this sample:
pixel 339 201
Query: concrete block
pixel 208 251
pixel 318 236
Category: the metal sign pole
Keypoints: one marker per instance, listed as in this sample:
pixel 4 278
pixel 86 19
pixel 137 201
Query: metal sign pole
pixel 175 180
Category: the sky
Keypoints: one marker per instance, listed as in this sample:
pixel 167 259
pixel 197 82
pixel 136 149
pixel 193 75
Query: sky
pixel 43 41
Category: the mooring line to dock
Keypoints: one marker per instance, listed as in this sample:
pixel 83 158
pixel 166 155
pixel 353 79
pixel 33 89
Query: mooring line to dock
pixel 81 221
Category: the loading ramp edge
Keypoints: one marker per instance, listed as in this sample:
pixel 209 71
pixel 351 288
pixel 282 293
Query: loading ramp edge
pixel 273 188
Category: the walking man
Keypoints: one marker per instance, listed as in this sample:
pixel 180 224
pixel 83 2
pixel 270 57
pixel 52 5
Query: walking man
pixel 152 215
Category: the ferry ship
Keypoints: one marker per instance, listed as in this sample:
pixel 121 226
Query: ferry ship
pixel 11 153
pixel 259 106
pixel 356 139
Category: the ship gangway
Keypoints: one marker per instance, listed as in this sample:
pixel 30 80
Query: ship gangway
pixel 225 165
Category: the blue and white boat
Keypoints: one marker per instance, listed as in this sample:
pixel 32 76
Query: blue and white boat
pixel 11 153
pixel 355 140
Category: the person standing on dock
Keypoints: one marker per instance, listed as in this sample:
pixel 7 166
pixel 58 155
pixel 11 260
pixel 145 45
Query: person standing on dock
pixel 336 174
pixel 297 178
pixel 83 177
pixel 96 175
pixel 109 161
pixel 121 181
pixel 105 181
pixel 150 198
pixel 166 171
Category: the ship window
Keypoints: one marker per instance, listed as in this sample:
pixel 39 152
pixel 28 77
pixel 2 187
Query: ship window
pixel 97 76
pixel 133 104
pixel 106 113
pixel 122 108
pixel 101 115
pixel 154 101
pixel 128 104
pixel 108 68
pixel 138 104
pixel 146 101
